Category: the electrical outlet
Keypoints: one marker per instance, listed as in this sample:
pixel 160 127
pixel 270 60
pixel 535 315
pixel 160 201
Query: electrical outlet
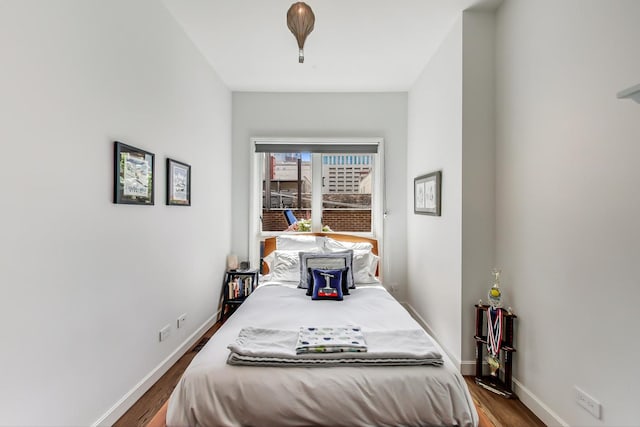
pixel 164 332
pixel 181 319
pixel 394 287
pixel 587 402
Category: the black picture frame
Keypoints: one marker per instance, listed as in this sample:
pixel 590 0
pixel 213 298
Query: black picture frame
pixel 178 183
pixel 427 196
pixel 134 175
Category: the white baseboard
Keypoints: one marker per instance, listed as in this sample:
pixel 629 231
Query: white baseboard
pixel 426 326
pixel 537 406
pixel 468 367
pixel 127 401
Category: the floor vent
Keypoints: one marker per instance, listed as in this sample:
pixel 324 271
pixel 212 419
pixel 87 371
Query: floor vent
pixel 201 344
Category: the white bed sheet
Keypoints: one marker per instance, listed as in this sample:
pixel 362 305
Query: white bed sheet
pixel 213 393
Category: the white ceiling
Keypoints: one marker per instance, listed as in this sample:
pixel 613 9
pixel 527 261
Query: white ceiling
pixel 356 45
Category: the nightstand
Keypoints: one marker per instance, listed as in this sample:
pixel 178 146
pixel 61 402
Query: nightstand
pixel 236 287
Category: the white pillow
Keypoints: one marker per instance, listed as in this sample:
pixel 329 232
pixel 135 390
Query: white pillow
pixel 299 242
pixel 284 266
pixel 336 245
pixel 365 264
pixel 269 260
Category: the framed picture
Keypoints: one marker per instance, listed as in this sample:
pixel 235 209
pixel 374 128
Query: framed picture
pixel 426 194
pixel 134 175
pixel 178 183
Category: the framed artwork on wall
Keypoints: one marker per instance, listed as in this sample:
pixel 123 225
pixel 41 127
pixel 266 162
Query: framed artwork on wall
pixel 133 175
pixel 178 183
pixel 426 194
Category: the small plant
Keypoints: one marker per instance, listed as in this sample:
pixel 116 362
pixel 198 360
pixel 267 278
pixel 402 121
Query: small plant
pixel 305 225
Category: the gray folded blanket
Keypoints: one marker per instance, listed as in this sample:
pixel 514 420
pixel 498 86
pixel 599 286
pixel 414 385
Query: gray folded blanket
pixel 277 347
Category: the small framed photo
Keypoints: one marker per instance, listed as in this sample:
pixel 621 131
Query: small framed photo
pixel 426 194
pixel 133 175
pixel 178 183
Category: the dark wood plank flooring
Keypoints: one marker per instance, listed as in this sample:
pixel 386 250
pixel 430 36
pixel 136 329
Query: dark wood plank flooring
pixel 495 411
pixel 146 407
pixel 501 412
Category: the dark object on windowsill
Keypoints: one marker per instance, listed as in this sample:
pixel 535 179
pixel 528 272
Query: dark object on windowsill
pixel 290 217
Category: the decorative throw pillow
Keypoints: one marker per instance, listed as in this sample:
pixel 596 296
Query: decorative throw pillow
pixel 327 284
pixel 345 285
pixel 325 261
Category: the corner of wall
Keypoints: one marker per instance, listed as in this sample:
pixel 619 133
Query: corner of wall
pixel 478 165
pixel 434 335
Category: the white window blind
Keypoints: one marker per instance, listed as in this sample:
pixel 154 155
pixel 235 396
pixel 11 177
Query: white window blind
pixel 315 147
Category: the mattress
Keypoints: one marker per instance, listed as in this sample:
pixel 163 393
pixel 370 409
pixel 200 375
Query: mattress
pixel 214 393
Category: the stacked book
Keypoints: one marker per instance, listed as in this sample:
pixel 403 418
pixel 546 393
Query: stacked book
pixel 239 287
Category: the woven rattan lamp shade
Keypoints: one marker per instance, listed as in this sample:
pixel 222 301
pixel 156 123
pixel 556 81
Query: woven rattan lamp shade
pixel 300 20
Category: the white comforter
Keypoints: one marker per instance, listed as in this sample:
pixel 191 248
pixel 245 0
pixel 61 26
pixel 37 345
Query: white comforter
pixel 213 393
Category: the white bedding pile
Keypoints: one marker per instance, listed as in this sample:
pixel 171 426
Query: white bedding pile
pixel 214 393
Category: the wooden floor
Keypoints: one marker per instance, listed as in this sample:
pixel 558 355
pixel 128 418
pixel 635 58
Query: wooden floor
pixel 499 411
pixel 150 403
pixel 494 410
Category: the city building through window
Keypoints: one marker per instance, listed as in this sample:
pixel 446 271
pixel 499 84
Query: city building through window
pixel 325 185
pixel 346 188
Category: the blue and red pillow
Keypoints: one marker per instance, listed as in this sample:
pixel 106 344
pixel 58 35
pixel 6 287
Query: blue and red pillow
pixel 344 281
pixel 327 284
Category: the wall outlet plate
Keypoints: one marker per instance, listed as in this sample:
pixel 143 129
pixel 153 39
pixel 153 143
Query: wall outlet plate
pixel 587 402
pixel 181 319
pixel 164 332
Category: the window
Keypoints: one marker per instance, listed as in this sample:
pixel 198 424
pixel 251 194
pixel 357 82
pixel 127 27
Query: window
pixel 347 192
pixel 287 183
pixel 336 183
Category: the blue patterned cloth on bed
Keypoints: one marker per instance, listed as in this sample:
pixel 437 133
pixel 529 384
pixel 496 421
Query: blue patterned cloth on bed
pixel 330 340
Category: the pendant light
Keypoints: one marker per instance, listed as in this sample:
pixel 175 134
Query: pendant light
pixel 300 20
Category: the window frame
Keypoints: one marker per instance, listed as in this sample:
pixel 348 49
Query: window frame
pixel 255 192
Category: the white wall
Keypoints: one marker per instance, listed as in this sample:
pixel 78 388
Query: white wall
pixel 87 284
pixel 326 115
pixel 451 128
pixel 434 250
pixel 478 170
pixel 568 237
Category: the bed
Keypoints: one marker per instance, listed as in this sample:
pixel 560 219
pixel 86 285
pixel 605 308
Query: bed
pixel 215 393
